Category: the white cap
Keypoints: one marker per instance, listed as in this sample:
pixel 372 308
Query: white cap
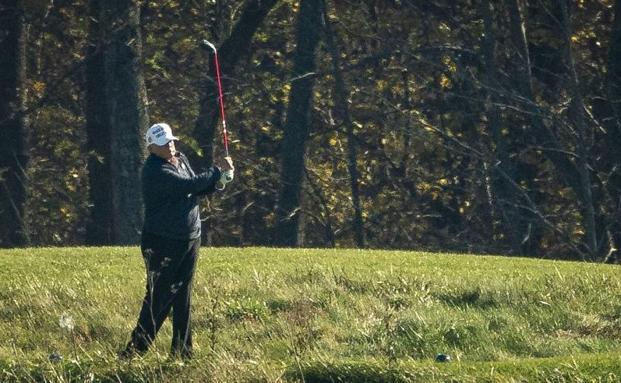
pixel 159 134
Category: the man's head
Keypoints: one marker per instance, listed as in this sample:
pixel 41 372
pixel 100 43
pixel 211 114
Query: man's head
pixel 160 140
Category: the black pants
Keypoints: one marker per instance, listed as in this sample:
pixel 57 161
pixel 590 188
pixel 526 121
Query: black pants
pixel 170 266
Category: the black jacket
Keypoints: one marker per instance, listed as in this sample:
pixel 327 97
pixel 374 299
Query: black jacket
pixel 170 196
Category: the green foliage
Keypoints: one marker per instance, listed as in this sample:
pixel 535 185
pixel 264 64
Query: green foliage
pixel 259 313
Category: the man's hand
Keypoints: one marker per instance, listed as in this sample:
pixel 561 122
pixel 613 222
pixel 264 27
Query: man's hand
pixel 227 176
pixel 228 171
pixel 227 164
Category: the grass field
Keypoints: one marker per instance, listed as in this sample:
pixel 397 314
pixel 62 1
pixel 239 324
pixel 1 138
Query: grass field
pixel 315 316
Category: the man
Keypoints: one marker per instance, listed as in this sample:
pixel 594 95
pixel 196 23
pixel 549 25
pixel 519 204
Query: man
pixel 171 238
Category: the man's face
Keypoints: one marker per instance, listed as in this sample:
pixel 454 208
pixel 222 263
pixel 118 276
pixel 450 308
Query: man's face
pixel 166 151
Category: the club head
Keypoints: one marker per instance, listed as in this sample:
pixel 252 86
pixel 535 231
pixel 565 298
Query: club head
pixel 443 358
pixel 210 45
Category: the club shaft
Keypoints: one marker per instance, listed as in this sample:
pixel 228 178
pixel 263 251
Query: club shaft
pixel 225 137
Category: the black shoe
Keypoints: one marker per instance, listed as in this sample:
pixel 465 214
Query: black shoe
pixel 130 352
pixel 126 354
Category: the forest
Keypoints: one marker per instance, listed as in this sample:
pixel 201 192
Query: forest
pixel 489 126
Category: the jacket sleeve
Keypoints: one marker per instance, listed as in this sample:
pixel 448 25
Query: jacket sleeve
pixel 171 182
pixel 211 188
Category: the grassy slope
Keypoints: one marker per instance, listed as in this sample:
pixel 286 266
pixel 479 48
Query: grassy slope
pixel 267 314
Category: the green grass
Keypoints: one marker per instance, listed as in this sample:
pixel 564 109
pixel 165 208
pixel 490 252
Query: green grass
pixel 316 315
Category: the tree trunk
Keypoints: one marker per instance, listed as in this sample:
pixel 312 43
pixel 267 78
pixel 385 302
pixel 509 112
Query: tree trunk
pixel 234 48
pixel 342 110
pixel 614 72
pixel 13 132
pixel 613 131
pixel 99 227
pixel 297 125
pixel 544 137
pixel 125 114
pixel 577 116
pixel 503 169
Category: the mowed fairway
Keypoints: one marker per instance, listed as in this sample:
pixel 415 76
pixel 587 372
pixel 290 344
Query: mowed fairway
pixel 315 315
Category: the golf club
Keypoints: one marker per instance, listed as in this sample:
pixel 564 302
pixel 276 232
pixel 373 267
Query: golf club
pixel 225 137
